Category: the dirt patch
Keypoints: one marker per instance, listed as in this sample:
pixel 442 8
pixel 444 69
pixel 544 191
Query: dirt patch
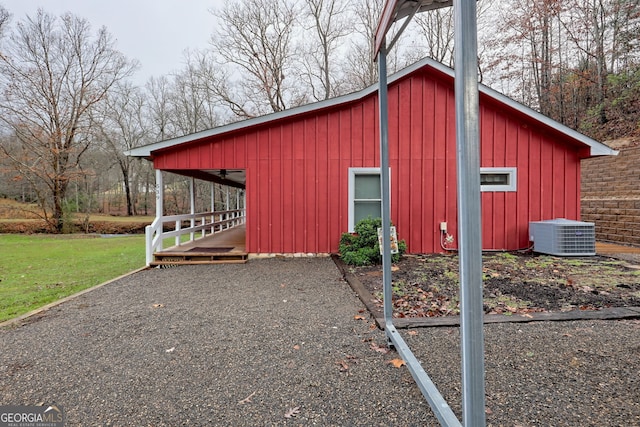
pixel 428 285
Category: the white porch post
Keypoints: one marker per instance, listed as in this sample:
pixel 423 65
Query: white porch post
pixel 212 186
pixel 149 229
pixel 237 214
pixel 159 194
pixel 192 202
pixel 226 203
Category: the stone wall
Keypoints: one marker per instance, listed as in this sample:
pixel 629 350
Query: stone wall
pixel 611 193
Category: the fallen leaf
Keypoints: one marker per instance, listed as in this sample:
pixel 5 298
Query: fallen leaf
pixel 487 410
pixel 413 332
pixel 158 305
pixel 246 399
pixel 397 363
pixel 358 317
pixel 395 268
pixel 292 412
pixel 296 347
pixel 343 365
pixel 170 350
pixel 376 347
pixel 575 362
pixel 527 315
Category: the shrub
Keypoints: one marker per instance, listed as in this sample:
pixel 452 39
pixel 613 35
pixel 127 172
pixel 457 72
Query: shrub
pixel 361 248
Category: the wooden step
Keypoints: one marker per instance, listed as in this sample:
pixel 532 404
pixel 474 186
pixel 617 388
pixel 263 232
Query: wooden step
pixel 189 258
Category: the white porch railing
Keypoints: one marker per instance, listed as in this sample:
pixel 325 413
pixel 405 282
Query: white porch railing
pixel 197 226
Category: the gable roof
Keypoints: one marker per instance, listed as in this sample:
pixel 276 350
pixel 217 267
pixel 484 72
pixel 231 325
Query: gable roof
pixel 596 148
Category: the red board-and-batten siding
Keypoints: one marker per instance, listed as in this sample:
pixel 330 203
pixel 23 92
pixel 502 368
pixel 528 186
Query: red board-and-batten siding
pixel 297 170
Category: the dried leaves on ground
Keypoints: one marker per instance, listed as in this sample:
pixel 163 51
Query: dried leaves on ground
pixel 428 285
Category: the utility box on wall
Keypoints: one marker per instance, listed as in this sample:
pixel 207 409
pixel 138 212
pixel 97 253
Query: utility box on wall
pixel 563 237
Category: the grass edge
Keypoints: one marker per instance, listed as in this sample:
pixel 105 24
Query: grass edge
pixel 20 318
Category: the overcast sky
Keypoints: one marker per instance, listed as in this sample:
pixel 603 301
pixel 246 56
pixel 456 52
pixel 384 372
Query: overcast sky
pixel 155 32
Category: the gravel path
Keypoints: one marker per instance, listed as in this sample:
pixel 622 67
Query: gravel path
pixel 247 345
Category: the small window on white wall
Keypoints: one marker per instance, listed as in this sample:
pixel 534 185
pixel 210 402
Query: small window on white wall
pixel 364 195
pixel 498 179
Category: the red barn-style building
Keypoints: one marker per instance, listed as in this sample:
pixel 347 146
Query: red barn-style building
pixel 311 172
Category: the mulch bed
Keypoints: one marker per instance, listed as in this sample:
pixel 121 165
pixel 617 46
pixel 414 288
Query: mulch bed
pixel 427 286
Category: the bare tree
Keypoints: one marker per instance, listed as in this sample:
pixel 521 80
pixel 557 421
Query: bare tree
pixel 626 35
pixel 53 72
pixel 529 44
pixel 597 30
pixel 194 97
pixel 159 92
pixel 362 71
pixel 5 17
pixel 330 26
pixel 575 60
pixel 436 29
pixel 121 126
pixel 257 38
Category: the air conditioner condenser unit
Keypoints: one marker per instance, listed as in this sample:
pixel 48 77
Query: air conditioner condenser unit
pixel 563 237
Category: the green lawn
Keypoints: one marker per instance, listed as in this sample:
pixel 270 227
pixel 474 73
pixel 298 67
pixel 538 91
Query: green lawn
pixel 36 270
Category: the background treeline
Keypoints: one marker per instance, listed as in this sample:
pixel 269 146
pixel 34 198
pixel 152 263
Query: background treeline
pixel 70 105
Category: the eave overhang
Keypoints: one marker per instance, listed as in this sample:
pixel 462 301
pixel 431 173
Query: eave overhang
pixel 595 148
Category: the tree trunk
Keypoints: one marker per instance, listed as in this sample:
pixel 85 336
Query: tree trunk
pixel 127 191
pixel 59 192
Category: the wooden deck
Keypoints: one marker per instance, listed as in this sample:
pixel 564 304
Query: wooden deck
pixel 226 246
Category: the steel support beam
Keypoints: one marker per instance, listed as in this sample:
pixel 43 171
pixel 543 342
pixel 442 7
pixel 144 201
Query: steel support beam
pixel 438 405
pixel 469 221
pixel 469 212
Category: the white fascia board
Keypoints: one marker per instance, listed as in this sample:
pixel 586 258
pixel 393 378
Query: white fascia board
pixel 146 150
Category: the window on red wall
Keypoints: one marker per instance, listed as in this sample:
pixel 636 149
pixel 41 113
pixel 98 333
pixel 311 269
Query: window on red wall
pixel 498 179
pixel 364 195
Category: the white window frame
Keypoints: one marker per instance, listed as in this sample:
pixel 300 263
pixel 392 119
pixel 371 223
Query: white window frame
pixel 512 174
pixel 352 190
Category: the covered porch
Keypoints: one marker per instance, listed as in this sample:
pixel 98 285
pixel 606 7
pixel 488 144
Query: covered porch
pixel 227 246
pixel 217 235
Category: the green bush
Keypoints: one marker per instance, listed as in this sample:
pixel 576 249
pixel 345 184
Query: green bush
pixel 361 248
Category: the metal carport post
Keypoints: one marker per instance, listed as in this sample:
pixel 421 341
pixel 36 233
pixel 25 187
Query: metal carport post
pixel 469 211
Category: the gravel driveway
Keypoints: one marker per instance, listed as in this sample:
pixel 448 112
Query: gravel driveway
pixel 282 342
